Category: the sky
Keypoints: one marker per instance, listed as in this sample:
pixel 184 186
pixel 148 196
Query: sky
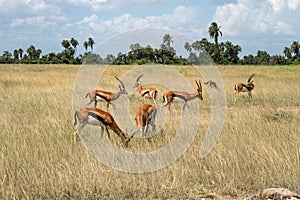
pixel 268 25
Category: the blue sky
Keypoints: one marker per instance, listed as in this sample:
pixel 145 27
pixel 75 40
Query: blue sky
pixel 253 24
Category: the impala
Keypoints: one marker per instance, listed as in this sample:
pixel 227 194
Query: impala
pixel 145 115
pixel 211 84
pixel 97 117
pixel 104 96
pixel 182 96
pixel 149 93
pixel 241 87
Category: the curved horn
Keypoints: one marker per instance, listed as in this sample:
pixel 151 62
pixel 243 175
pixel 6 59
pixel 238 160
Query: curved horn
pixel 200 86
pixel 140 76
pixel 122 84
pixel 249 79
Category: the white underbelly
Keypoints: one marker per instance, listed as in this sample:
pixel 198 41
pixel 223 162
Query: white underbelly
pixel 94 121
pixel 99 99
pixel 176 99
pixel 244 89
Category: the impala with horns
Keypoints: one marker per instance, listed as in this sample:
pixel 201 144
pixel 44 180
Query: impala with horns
pixel 145 116
pixel 211 84
pixel 104 96
pixel 182 96
pixel 97 117
pixel 241 87
pixel 149 93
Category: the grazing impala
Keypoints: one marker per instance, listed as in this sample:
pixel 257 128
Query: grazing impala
pixel 104 96
pixel 97 117
pixel 211 84
pixel 149 93
pixel 241 87
pixel 145 115
pixel 182 96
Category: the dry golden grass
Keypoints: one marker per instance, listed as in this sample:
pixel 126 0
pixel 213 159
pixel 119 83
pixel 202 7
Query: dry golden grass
pixel 259 146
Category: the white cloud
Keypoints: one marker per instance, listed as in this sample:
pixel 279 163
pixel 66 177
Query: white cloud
pixel 257 17
pixel 181 18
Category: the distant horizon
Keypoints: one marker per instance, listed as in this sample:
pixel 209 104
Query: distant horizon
pixel 266 25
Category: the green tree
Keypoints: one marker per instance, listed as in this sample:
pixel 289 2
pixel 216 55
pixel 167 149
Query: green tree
pixel 214 31
pixel 6 56
pixel 16 54
pixel 66 44
pixel 31 52
pixel 20 53
pixel 295 48
pixel 167 40
pixel 287 52
pixel 85 45
pixel 91 42
pixel 74 43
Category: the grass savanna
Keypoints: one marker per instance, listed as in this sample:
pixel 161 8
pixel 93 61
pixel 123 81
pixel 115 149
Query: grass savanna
pixel 259 146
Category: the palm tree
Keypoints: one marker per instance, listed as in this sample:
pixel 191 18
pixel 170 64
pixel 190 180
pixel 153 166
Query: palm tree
pixel 74 43
pixel 21 53
pixel 91 42
pixel 167 40
pixel 287 52
pixel 85 44
pixel 6 55
pixel 214 31
pixel 295 48
pixel 65 44
pixel 16 54
pixel 188 47
pixel 31 51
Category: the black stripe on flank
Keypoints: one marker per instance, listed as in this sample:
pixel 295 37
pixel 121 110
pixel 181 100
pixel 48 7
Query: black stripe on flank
pixel 102 97
pixel 147 92
pixel 179 96
pixel 94 115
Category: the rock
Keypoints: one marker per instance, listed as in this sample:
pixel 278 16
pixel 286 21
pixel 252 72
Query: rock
pixel 280 194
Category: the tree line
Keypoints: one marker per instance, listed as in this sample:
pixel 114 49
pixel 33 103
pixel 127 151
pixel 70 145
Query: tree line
pixel 200 52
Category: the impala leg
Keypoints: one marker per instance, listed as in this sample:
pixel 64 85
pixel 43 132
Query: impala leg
pixel 249 94
pixel 77 131
pixel 95 103
pixel 183 107
pixel 108 134
pixel 89 103
pixel 101 132
pixel 107 106
pixel 154 100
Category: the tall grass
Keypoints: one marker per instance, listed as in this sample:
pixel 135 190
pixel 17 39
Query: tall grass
pixel 259 146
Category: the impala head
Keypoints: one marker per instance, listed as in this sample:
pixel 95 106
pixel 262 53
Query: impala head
pixel 127 140
pixel 199 90
pixel 137 82
pixel 121 86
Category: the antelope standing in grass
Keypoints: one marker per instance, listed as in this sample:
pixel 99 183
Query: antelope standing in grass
pixel 149 93
pixel 97 117
pixel 241 87
pixel 104 96
pixel 211 84
pixel 182 96
pixel 145 116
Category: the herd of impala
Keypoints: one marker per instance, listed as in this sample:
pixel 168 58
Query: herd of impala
pixel 145 113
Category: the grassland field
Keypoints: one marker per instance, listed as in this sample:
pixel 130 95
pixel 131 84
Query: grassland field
pixel 259 146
